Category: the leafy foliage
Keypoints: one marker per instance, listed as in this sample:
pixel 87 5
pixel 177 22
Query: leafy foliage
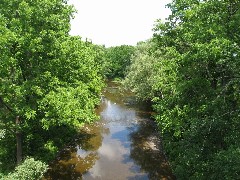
pixel 48 78
pixel 29 169
pixel 117 60
pixel 195 87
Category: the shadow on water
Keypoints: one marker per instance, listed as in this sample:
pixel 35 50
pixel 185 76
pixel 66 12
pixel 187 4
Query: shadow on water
pixel 124 144
pixel 147 153
pixel 80 156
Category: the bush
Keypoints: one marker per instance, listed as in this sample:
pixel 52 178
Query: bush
pixel 30 169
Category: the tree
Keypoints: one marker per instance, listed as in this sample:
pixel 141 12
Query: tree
pixel 117 60
pixel 140 73
pixel 48 78
pixel 202 115
pixel 196 87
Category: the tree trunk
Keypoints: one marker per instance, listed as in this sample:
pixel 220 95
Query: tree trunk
pixel 19 141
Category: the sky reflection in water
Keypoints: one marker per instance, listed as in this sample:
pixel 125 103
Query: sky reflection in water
pixel 122 145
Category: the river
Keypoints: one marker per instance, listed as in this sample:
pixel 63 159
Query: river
pixel 123 144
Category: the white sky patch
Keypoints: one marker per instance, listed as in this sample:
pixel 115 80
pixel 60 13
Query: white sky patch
pixel 117 22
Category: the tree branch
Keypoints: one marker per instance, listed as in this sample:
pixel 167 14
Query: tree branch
pixel 4 104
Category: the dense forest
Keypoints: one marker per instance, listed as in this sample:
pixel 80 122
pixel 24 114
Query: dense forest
pixel 50 84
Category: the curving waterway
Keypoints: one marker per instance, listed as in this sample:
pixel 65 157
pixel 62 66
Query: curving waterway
pixel 123 144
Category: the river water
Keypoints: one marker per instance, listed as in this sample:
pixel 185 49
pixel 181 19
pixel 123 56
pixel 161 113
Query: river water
pixel 123 144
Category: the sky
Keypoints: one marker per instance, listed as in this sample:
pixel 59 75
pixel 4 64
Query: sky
pixel 117 22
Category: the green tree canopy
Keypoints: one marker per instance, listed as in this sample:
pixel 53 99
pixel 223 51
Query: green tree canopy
pixel 48 78
pixel 117 60
pixel 194 84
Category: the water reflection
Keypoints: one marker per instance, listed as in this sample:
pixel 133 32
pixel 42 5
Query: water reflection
pixel 80 156
pixel 122 145
pixel 146 151
pixel 114 113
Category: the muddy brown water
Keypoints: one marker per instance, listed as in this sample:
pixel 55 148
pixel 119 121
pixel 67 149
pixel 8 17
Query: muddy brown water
pixel 123 144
